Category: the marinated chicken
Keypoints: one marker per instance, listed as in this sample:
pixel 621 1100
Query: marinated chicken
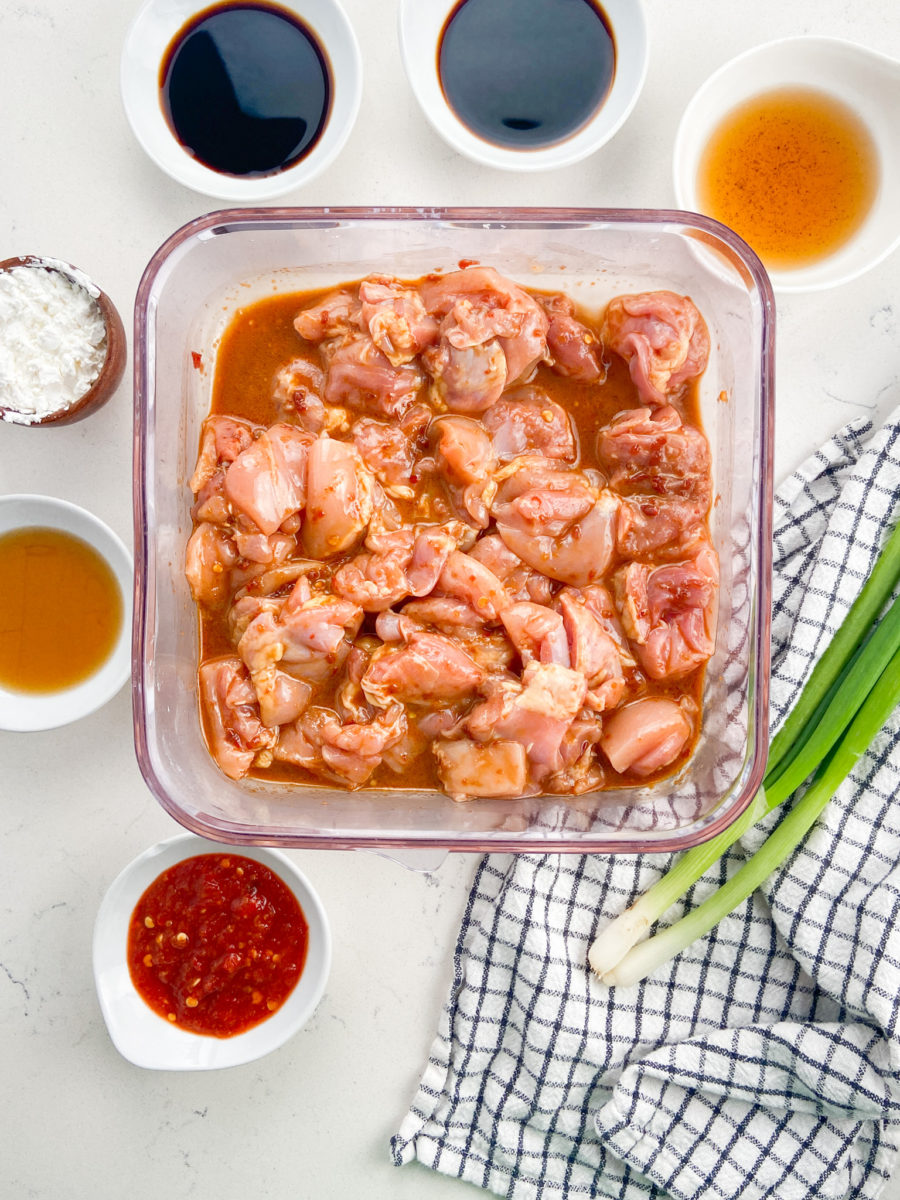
pixel 452 533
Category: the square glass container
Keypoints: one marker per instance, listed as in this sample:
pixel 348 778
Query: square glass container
pixel 219 263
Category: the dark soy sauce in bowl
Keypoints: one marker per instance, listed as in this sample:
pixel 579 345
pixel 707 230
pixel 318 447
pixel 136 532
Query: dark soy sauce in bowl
pixel 526 73
pixel 246 88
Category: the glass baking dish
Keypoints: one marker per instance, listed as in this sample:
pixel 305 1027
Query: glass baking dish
pixel 218 263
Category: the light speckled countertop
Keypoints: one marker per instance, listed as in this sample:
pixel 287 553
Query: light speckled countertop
pixel 314 1119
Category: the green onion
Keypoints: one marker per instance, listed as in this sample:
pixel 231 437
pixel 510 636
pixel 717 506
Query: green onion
pixel 868 721
pixel 834 692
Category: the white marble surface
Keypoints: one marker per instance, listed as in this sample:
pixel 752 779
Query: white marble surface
pixel 312 1120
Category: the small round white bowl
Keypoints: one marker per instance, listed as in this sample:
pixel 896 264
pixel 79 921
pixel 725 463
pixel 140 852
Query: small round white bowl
pixel 146 43
pixel 421 24
pixel 25 712
pixel 141 1035
pixel 867 82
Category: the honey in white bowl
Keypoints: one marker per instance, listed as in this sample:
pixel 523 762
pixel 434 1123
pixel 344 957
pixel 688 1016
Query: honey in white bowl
pixel 794 171
pixel 61 610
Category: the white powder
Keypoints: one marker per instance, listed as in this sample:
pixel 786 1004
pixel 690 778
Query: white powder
pixel 52 340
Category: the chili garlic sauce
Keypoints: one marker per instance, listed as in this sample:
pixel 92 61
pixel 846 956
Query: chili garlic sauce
pixel 794 172
pixel 216 944
pixel 60 610
pixel 258 343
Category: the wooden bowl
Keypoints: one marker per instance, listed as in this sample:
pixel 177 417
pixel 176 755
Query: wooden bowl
pixel 113 365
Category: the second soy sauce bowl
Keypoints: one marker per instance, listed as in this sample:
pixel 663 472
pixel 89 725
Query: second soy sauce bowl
pixel 148 45
pixel 422 28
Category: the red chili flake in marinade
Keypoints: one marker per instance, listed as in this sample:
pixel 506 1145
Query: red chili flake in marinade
pixel 216 944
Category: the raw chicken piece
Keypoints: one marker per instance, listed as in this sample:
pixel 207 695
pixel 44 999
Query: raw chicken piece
pixel 527 421
pixel 360 376
pixel 320 742
pixel 598 599
pixel 557 521
pixel 349 696
pixel 354 751
pixel 297 390
pixel 432 547
pixel 536 713
pixel 281 697
pixel 267 481
pixel 645 736
pixel 465 457
pixel 478 304
pixel 580 772
pixel 469 769
pixel 660 529
pixel 572 348
pixel 235 733
pixel 593 652
pixel 338 315
pixel 308 635
pixel 537 633
pixel 663 339
pixel 396 319
pixel 222 440
pixel 651 453
pixel 244 610
pixel 388 453
pixel 407 562
pixel 261 548
pixel 374 581
pixel 212 504
pixel 467 379
pixel 463 450
pixel 429 669
pixel 669 613
pixel 446 614
pixel 465 578
pixel 520 581
pixel 340 497
pixel 209 557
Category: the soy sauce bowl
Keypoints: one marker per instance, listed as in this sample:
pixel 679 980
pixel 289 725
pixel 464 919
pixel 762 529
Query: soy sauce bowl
pixel 151 34
pixel 421 24
pixel 146 1039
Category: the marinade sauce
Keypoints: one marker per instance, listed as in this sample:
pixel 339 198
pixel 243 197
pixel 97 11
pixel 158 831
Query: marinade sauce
pixel 527 73
pixel 246 88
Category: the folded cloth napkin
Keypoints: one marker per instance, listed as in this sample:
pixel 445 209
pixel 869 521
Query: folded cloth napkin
pixel 763 1061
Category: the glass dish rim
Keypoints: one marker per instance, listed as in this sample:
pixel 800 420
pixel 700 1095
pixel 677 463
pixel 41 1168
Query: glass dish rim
pixel 228 220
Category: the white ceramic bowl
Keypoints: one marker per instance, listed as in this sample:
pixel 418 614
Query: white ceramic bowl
pixel 421 23
pixel 867 82
pixel 145 46
pixel 24 711
pixel 145 1038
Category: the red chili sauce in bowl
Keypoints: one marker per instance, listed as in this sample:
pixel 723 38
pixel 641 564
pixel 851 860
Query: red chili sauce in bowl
pixel 216 944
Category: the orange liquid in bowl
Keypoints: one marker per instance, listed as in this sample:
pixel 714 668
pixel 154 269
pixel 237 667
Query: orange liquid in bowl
pixel 60 610
pixel 794 172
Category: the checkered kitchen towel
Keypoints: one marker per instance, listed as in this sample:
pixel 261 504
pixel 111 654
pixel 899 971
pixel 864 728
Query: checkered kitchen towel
pixel 763 1062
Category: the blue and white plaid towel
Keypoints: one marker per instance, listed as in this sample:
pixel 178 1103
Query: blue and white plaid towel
pixel 763 1062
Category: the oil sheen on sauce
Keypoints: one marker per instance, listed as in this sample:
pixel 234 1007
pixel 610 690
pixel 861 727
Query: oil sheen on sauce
pixel 794 172
pixel 246 88
pixel 60 610
pixel 528 73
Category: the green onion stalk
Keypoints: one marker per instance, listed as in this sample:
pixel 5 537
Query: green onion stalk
pixel 844 704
